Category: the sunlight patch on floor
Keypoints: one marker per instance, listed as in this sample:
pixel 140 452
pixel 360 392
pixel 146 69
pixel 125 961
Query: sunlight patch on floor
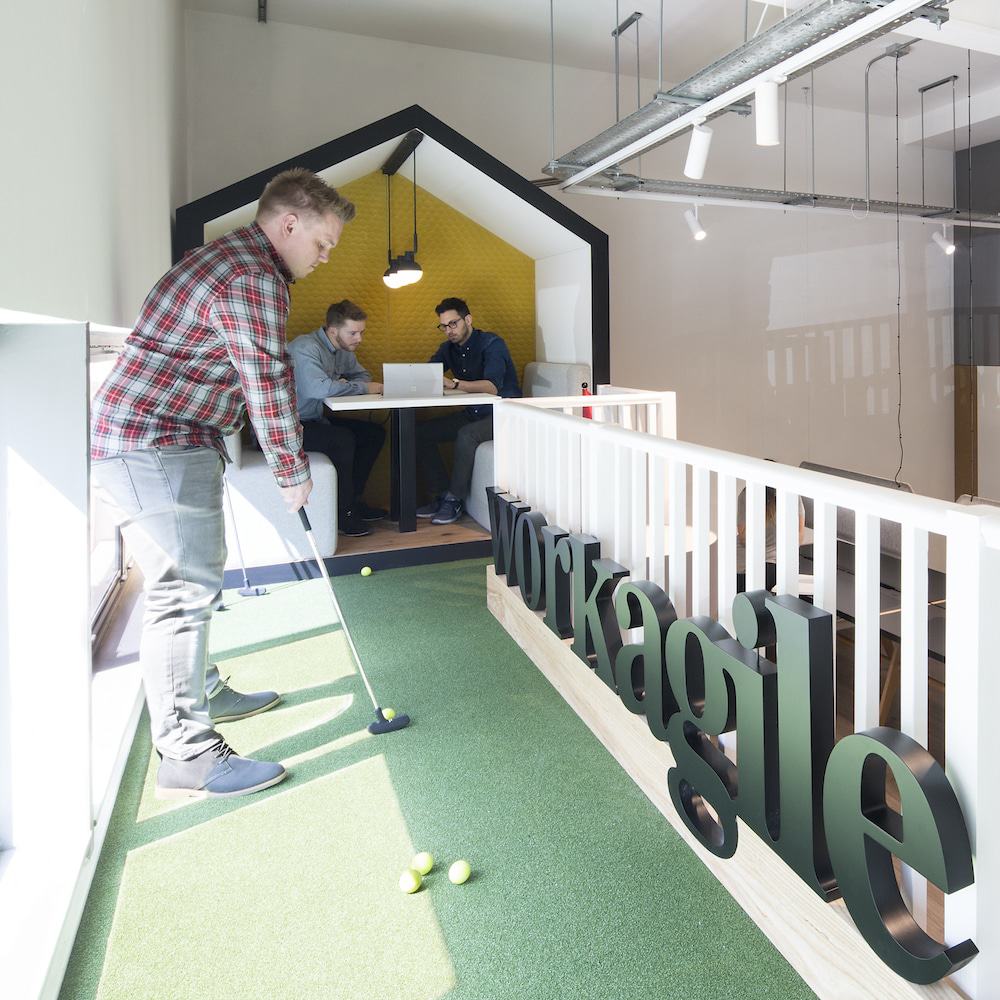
pixel 305 908
pixel 248 736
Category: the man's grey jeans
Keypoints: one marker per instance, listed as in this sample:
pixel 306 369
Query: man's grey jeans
pixel 169 505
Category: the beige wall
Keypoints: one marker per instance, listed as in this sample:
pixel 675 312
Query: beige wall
pixel 91 98
pixel 778 332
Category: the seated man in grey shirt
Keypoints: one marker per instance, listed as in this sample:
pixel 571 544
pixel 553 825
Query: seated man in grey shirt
pixel 325 364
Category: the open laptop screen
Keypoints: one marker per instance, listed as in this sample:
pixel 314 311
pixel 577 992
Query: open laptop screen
pixel 413 381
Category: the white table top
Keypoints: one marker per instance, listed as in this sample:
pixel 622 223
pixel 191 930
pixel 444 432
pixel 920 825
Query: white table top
pixel 374 401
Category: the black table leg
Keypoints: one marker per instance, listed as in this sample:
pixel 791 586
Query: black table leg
pixel 403 489
pixel 394 464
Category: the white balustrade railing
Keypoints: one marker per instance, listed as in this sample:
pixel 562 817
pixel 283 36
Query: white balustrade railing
pixel 621 478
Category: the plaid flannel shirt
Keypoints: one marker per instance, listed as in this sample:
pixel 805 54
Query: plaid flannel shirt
pixel 208 348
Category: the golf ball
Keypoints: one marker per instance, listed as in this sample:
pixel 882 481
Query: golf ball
pixel 366 571
pixel 423 862
pixel 459 872
pixel 410 880
pixel 388 714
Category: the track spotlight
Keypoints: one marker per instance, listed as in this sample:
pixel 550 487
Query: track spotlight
pixel 765 113
pixel 694 224
pixel 941 239
pixel 701 142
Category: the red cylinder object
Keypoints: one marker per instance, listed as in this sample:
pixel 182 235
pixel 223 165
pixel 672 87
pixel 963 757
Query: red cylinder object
pixel 585 391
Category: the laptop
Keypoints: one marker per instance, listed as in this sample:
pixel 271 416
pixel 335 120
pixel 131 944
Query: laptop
pixel 412 381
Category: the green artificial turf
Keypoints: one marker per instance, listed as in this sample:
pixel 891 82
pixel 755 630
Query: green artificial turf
pixel 580 888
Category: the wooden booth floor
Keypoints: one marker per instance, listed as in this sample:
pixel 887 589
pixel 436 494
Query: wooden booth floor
pixel 386 536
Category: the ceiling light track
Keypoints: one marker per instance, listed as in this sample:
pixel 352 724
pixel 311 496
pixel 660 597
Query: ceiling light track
pixel 809 37
pixel 624 185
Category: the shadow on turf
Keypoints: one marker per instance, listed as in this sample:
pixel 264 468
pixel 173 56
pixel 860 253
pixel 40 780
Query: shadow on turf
pixel 232 652
pixel 186 815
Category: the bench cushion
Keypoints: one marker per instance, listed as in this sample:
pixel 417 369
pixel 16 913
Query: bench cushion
pixel 268 534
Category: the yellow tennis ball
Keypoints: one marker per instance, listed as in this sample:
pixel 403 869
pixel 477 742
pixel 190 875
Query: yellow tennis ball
pixel 389 714
pixel 423 862
pixel 459 872
pixel 366 571
pixel 410 881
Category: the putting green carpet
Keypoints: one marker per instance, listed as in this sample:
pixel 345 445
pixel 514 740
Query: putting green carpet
pixel 580 888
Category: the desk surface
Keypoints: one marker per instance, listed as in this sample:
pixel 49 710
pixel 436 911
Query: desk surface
pixel 374 401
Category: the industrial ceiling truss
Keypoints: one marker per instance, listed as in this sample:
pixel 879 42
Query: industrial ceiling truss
pixel 833 22
pixel 627 185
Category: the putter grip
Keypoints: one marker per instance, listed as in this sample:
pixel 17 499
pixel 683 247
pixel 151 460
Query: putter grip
pixel 304 518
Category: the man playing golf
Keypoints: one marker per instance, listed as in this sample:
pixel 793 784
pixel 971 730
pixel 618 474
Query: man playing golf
pixel 207 350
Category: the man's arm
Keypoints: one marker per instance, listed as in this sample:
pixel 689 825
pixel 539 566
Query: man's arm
pixel 359 376
pixel 313 381
pixel 250 316
pixel 477 385
pixel 495 360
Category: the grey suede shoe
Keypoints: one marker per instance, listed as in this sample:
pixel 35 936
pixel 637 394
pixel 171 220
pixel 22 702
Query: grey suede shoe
pixel 227 705
pixel 216 773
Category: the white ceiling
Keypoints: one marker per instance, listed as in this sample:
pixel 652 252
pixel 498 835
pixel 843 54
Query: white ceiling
pixel 696 32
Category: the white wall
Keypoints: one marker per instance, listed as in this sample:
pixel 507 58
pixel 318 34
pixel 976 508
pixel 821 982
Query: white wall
pixel 765 290
pixel 564 321
pixel 91 98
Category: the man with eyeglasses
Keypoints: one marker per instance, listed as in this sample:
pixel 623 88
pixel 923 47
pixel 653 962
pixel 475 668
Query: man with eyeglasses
pixel 477 361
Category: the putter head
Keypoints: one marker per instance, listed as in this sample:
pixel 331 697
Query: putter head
pixel 252 591
pixel 384 725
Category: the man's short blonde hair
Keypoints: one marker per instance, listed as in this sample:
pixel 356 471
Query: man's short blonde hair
pixel 301 191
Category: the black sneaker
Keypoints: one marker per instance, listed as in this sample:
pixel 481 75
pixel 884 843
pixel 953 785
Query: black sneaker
pixel 367 513
pixel 449 512
pixel 350 524
pixel 429 509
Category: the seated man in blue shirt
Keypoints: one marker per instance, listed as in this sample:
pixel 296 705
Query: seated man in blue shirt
pixel 478 362
pixel 325 365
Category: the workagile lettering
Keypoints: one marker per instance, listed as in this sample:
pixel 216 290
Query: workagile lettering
pixel 819 804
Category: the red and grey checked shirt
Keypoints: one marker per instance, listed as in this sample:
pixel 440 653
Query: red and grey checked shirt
pixel 208 348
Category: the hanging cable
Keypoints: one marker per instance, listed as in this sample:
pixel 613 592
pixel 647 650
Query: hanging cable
pixel 638 89
pixel 415 248
pixel 388 216
pixel 899 297
pixel 812 129
pixel 616 34
pixel 552 71
pixel 974 372
pixel 659 85
pixel 784 140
